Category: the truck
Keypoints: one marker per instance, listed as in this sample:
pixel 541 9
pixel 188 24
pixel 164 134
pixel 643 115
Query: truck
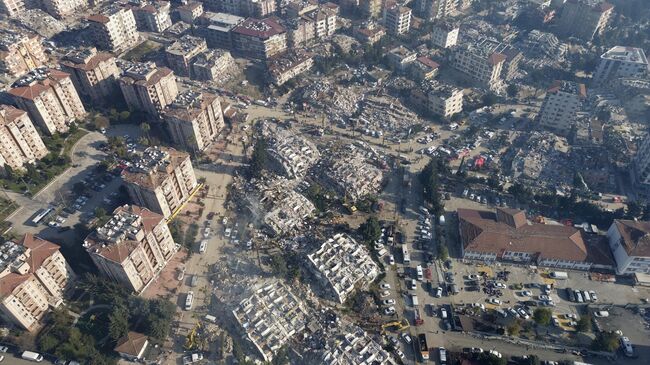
pixel 418 317
pixel 32 356
pixel 560 275
pixel 424 348
pixel 405 255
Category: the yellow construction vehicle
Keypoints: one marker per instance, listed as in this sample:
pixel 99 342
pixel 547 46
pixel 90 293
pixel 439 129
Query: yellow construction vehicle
pixel 396 325
pixel 191 342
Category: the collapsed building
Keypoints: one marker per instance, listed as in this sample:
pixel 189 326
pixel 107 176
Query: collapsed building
pixel 289 154
pixel 354 347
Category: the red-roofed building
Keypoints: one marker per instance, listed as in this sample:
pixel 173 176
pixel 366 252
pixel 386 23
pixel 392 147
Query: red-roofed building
pixel 629 242
pixel 33 278
pixel 424 68
pixel 94 74
pixel 148 88
pixel 50 98
pixel 132 247
pixel 260 38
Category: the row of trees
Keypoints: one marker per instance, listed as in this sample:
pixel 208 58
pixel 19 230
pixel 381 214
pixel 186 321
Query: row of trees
pixel 429 177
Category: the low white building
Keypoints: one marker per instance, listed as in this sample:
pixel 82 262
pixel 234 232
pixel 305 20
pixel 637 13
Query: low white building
pixel 630 244
pixel 344 265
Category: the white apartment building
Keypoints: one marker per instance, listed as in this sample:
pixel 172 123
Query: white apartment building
pixel 480 64
pixel 435 9
pixel 20 52
pixel 444 35
pixel 628 241
pixel 398 20
pixel 194 120
pixel 114 29
pixel 215 64
pixel 63 8
pixel 445 100
pixel 190 11
pixel 12 7
pixel 33 278
pixel 132 247
pixel 151 16
pixel 344 265
pixel 621 62
pixel 50 98
pixel 162 180
pixel 93 73
pixel 148 88
pixel 20 142
pixel 562 102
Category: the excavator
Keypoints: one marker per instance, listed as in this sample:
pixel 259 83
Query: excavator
pixel 396 325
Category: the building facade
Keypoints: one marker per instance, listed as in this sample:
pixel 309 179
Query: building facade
pixel 288 65
pixel 20 52
pixel 190 11
pixel 260 38
pixel 20 142
pixel 148 88
pixel 63 8
pixel 215 64
pixel 584 18
pixel 398 20
pixel 162 180
pixel 152 16
pixel 217 28
pixel 50 98
pixel 621 62
pixel 132 247
pixel 194 120
pixel 562 102
pixel 94 74
pixel 114 30
pixel 480 65
pixel 628 241
pixel 435 9
pixel 33 279
pixel 444 35
pixel 181 53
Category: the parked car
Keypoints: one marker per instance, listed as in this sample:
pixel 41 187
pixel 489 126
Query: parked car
pixel 389 311
pixel 601 314
pixel 406 338
pixel 384 286
pixel 388 301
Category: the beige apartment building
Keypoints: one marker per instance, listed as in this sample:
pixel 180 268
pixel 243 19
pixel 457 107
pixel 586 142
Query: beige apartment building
pixel 190 11
pixel 50 98
pixel 259 38
pixel 63 8
pixel 93 73
pixel 214 64
pixel 194 120
pixel 444 35
pixel 20 142
pixel 33 278
pixel 148 88
pixel 397 19
pixel 132 247
pixel 162 180
pixel 114 29
pixel 438 98
pixel 20 52
pixel 481 65
pixel 584 18
pixel 435 9
pixel 562 102
pixel 151 16
pixel 181 53
pixel 12 7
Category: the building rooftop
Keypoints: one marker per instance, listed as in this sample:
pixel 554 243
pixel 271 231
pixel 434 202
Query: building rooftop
pixel 18 261
pixel 220 21
pixel 85 58
pixel 438 88
pixel 571 87
pixel 186 45
pixel 426 61
pixel 401 52
pixel 8 114
pixel 142 73
pixel 189 104
pixel 9 37
pixel 635 237
pixel 154 166
pixel 355 348
pixel 131 344
pixel 261 28
pixel 210 57
pixel 280 63
pixel 627 54
pixel 37 81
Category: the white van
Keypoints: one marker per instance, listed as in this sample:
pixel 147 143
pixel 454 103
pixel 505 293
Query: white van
pixel 189 300
pixel 420 273
pixel 32 356
pixel 203 246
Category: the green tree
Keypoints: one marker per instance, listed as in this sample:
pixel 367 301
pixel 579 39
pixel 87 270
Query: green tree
pixel 512 90
pixel 145 128
pixel 543 316
pixel 118 325
pixel 101 121
pixel 607 341
pixel 515 328
pixel 486 358
pixel 429 179
pixel 259 158
pixel 279 265
pixel 584 324
pixel 370 230
pixel 443 252
pixel 489 99
pixel 100 213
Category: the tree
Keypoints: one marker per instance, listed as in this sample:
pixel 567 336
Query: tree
pixel 584 324
pixel 607 341
pixel 429 179
pixel 486 358
pixel 543 316
pixel 78 188
pixel 118 325
pixel 489 99
pixel 259 158
pixel 515 328
pixel 100 213
pixel 443 252
pixel 634 210
pixel 512 90
pixel 101 121
pixel 145 128
pixel 370 230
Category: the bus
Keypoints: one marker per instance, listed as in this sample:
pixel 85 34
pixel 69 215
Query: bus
pixel 188 300
pixel 405 255
pixel 42 214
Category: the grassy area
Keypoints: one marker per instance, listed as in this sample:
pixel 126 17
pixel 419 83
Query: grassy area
pixel 7 206
pixel 143 49
pixel 36 176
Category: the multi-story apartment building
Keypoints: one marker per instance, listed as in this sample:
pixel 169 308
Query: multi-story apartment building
pixel 64 8
pixel 628 241
pixel 444 35
pixel 162 180
pixel 132 247
pixel 245 8
pixel 20 52
pixel 435 9
pixel 190 11
pixel 317 22
pixel 288 65
pixel 50 98
pixel 620 62
pixel 33 278
pixel 296 8
pixel 194 120
pixel 640 169
pixel 480 64
pixel 397 19
pixel 437 98
pixel 584 18
pixel 215 64
pixel 260 38
pixel 94 74
pixel 369 34
pixel 148 88
pixel 324 20
pixel 562 103
pixel 151 16
pixel 217 28
pixel 182 52
pixel 369 8
pixel 20 142
pixel 12 7
pixel 114 29
pixel 400 58
pixel 424 68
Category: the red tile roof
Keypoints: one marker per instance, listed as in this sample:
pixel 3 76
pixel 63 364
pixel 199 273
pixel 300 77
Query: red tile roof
pixel 496 58
pixel 41 250
pixel 261 28
pixel 38 87
pixel 635 237
pixel 428 62
pixel 131 344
